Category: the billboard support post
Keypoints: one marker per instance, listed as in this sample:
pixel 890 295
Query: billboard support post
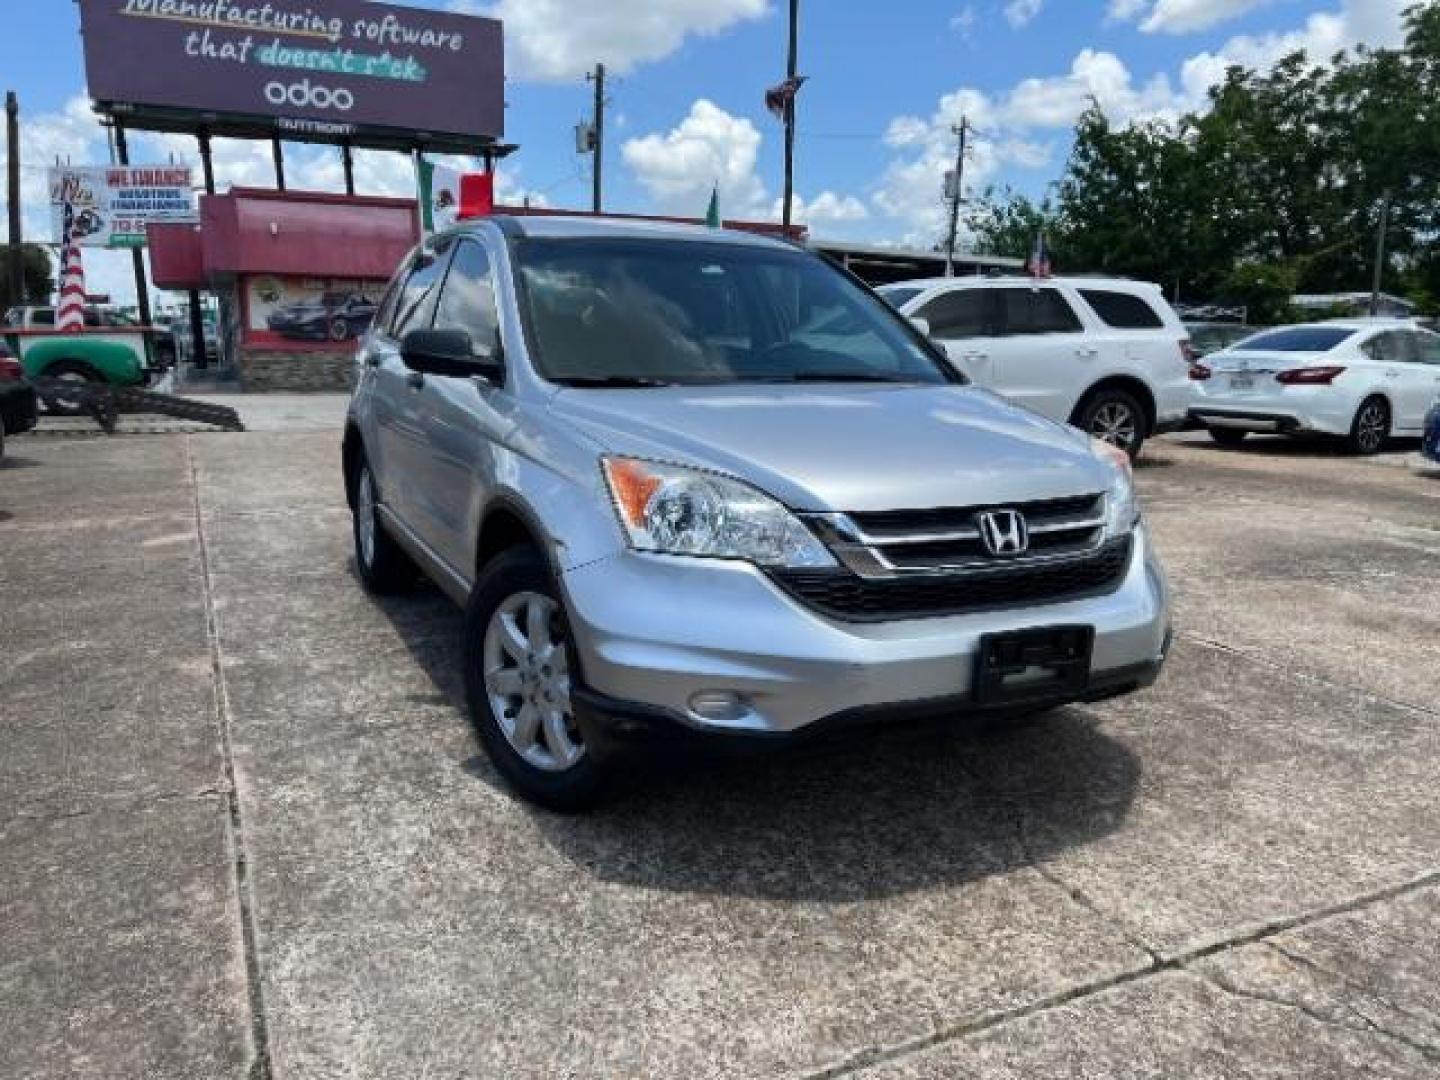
pixel 278 155
pixel 137 255
pixel 207 166
pixel 348 160
pixel 198 356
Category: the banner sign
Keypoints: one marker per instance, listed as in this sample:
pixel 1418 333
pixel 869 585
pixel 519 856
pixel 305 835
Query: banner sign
pixel 112 204
pixel 281 309
pixel 332 68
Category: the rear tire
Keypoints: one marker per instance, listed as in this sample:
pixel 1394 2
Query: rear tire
pixel 519 662
pixel 1370 428
pixel 1228 436
pixel 76 371
pixel 1114 416
pixel 383 566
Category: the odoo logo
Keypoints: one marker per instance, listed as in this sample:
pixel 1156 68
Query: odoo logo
pixel 302 94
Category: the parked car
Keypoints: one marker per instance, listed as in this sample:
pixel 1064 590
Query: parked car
pixel 1430 436
pixel 692 481
pixel 17 397
pixel 1362 379
pixel 112 349
pixel 1109 356
pixel 333 317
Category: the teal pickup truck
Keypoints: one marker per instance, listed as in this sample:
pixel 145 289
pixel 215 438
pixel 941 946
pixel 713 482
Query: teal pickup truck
pixel 110 349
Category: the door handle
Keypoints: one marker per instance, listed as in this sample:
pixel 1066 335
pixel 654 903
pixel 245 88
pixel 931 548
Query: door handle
pixel 415 380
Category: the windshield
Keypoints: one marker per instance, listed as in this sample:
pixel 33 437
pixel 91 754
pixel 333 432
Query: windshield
pixel 897 296
pixel 605 312
pixel 1314 339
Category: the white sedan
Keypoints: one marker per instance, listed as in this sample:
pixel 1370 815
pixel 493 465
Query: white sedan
pixel 1362 379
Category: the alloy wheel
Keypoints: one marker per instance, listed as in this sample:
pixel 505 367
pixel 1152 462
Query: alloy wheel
pixel 1371 427
pixel 1115 422
pixel 527 680
pixel 365 517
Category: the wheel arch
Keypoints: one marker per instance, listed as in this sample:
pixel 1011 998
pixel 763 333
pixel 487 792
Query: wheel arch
pixel 352 452
pixel 508 523
pixel 1128 383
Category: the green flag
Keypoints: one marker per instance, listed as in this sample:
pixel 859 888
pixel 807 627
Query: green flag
pixel 712 215
pixel 425 184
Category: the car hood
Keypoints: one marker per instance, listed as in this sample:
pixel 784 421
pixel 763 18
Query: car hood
pixel 855 448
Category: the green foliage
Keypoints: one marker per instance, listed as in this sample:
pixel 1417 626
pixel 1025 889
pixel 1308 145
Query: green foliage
pixel 1281 179
pixel 1263 289
pixel 37 276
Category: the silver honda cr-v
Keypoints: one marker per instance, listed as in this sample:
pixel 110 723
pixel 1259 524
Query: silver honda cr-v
pixel 692 481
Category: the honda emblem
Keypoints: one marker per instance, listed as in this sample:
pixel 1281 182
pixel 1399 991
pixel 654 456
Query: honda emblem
pixel 1003 532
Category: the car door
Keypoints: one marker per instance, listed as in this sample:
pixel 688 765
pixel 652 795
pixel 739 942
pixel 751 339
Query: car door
pixel 1402 377
pixel 398 432
pixel 962 322
pixel 1041 357
pixel 463 419
pixel 1421 376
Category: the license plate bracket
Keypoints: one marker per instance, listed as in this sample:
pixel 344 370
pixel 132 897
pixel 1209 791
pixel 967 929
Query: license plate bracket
pixel 1021 665
pixel 1242 382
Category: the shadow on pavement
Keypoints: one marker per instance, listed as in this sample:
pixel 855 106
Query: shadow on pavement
pixel 871 813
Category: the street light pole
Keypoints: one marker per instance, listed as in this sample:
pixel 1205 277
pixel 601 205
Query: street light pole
pixel 790 63
pixel 17 255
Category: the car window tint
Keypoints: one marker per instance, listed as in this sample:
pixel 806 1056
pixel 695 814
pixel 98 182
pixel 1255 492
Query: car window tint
pixel 385 315
pixel 467 299
pixel 1036 311
pixel 1427 347
pixel 417 296
pixel 959 313
pixel 42 317
pixel 1122 311
pixel 1297 339
pixel 1389 348
pixel 897 296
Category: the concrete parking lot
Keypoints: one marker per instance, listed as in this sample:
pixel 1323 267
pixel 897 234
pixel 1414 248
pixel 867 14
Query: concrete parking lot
pixel 245 832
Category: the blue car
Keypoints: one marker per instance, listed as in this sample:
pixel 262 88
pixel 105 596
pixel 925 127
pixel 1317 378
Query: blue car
pixel 1430 442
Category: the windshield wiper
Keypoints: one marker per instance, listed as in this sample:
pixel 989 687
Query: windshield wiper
pixel 619 381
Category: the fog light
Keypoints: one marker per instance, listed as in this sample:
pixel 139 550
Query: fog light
pixel 719 706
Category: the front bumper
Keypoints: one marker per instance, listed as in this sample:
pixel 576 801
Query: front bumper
pixel 652 632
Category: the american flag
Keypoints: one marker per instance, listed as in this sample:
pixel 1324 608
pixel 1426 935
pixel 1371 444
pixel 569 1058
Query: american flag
pixel 1038 264
pixel 71 313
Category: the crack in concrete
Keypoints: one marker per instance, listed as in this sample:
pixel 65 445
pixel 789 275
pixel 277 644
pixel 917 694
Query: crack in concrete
pixel 260 1065
pixel 1359 988
pixel 868 1057
pixel 112 804
pixel 1367 1025
pixel 1307 676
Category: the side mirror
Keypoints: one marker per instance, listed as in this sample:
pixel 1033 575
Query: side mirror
pixel 921 325
pixel 451 353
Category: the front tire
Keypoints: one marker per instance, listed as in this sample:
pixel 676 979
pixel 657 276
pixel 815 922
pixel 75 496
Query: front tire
pixel 78 372
pixel 383 565
pixel 1370 428
pixel 519 661
pixel 1115 417
pixel 1228 436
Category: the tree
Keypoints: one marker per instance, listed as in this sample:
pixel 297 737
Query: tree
pixel 37 277
pixel 1005 223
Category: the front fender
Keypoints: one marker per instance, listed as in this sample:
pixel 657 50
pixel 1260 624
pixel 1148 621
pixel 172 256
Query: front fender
pixel 116 362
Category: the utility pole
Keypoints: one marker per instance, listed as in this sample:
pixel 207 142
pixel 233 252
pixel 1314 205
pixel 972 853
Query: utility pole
pixel 790 62
pixel 962 131
pixel 598 132
pixel 1380 254
pixel 137 254
pixel 12 141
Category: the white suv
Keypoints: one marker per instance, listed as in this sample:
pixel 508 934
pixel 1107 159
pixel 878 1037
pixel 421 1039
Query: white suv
pixel 1109 356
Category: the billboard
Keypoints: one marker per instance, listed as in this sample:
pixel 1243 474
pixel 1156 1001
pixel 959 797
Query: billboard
pixel 282 308
pixel 114 203
pixel 328 69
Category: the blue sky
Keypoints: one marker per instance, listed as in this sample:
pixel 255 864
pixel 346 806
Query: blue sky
pixel 887 80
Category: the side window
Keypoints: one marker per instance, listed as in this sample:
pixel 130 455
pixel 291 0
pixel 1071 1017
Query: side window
pixel 416 303
pixel 385 313
pixel 1122 311
pixel 1392 347
pixel 959 313
pixel 1036 311
pixel 42 317
pixel 467 299
pixel 1427 347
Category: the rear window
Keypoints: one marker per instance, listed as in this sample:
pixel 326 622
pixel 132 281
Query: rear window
pixel 1298 339
pixel 1122 311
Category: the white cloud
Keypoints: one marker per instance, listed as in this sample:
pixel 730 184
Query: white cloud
pixel 963 21
pixel 708 148
pixel 1180 16
pixel 827 208
pixel 1020 13
pixel 555 40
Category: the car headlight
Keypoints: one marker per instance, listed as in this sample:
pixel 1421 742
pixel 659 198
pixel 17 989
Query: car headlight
pixel 1122 508
pixel 680 511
